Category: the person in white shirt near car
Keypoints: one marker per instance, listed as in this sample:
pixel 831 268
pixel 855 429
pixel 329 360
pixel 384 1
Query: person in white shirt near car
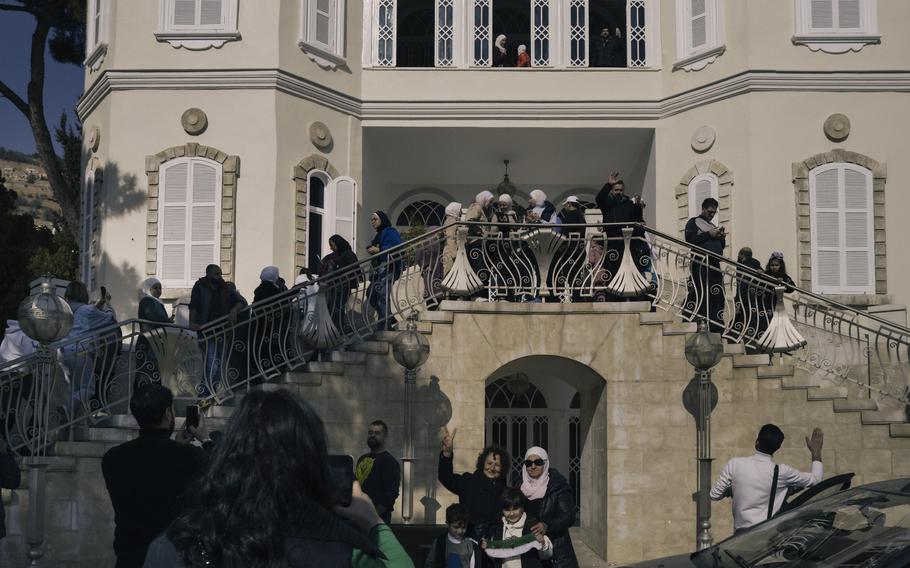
pixel 757 485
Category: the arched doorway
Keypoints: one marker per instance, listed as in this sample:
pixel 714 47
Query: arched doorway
pixel 547 401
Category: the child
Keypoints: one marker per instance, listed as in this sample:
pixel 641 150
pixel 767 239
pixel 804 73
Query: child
pixel 512 544
pixel 451 549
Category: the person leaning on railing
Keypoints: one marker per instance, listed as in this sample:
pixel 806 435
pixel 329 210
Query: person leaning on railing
pixel 268 500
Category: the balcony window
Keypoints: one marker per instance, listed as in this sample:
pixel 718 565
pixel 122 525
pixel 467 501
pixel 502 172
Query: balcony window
pixel 197 24
pixel 699 33
pixel 322 31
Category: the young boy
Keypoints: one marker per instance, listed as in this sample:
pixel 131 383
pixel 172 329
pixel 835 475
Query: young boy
pixel 451 549
pixel 512 544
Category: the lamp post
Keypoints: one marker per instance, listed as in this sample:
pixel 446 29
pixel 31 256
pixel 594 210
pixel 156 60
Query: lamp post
pixel 703 351
pixel 44 317
pixel 411 350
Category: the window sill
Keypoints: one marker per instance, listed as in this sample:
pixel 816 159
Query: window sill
pixel 176 293
pixel 197 40
pixel 96 57
pixel 324 58
pixel 700 60
pixel 859 300
pixel 836 43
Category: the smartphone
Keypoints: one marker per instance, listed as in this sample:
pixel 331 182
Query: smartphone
pixel 341 469
pixel 192 417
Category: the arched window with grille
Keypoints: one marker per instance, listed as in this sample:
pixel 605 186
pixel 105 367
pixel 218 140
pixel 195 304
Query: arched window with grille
pixel 421 213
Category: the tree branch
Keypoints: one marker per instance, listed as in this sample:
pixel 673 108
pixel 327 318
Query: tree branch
pixel 17 101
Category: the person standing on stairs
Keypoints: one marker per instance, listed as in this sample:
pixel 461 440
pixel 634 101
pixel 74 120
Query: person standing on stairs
pixel 378 472
pixel 757 485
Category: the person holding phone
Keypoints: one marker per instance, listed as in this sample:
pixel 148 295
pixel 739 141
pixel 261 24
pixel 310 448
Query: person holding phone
pixel 269 499
pixel 147 477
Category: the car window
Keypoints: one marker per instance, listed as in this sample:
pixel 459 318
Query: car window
pixel 854 528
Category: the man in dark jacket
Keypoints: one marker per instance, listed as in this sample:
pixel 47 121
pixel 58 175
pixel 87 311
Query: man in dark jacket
pixel 9 478
pixel 705 296
pixel 603 49
pixel 617 207
pixel 147 477
pixel 378 472
pixel 210 300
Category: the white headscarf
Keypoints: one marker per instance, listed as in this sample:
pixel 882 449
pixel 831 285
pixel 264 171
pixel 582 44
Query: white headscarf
pixel 454 210
pixel 269 274
pixel 522 49
pixel 539 197
pixel 146 290
pixel 501 42
pixel 505 198
pixel 536 488
pixel 483 197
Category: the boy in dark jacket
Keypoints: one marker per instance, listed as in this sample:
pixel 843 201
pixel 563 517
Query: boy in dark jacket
pixel 511 543
pixel 452 549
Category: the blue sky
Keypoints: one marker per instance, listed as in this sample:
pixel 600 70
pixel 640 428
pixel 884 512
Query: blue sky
pixel 62 86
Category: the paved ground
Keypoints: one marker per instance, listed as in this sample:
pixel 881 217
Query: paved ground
pixel 586 556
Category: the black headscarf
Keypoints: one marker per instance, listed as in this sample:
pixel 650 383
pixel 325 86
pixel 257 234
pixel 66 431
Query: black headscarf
pixel 383 223
pixel 341 245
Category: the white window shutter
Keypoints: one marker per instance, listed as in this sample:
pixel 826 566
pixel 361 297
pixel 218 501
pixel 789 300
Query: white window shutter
pixel 701 188
pixel 203 221
pixel 185 12
pixel 211 13
pixel 821 14
pixel 848 15
pixel 698 30
pixel 345 205
pixel 840 200
pixel 172 225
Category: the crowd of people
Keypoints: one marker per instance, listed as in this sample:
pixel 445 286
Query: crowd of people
pixel 608 49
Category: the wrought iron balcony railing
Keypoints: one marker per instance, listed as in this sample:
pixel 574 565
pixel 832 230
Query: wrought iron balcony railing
pixel 69 383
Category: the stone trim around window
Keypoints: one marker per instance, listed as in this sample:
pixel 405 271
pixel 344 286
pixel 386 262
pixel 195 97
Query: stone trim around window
pixel 301 173
pixel 804 220
pixel 724 196
pixel 230 172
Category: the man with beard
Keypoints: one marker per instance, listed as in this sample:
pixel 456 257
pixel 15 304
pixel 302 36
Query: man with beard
pixel 617 208
pixel 705 297
pixel 378 472
pixel 147 476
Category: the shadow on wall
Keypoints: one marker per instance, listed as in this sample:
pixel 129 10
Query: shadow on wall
pixel 434 410
pixel 124 281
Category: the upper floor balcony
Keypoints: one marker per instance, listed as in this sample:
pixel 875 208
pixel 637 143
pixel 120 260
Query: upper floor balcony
pixel 519 34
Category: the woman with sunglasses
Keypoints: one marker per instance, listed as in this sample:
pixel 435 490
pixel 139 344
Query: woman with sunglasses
pixel 550 502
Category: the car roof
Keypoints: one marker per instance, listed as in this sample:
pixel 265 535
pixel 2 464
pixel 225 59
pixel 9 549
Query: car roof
pixel 899 485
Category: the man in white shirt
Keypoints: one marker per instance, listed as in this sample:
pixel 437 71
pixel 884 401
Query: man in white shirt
pixel 749 480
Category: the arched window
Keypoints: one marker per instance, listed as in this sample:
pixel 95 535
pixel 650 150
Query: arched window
pixel 700 188
pixel 840 203
pixel 514 392
pixel 189 222
pixel 91 191
pixel 423 212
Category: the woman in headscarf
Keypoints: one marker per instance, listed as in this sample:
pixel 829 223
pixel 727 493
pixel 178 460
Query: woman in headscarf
pixel 385 272
pixel 550 502
pixel 524 60
pixel 270 284
pixel 540 210
pixel 151 308
pixel 481 210
pixel 339 287
pixel 500 53
pixel 453 215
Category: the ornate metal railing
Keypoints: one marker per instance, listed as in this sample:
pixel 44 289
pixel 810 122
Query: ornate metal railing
pixel 72 383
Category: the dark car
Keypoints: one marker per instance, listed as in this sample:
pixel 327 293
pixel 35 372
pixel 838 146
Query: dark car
pixel 863 527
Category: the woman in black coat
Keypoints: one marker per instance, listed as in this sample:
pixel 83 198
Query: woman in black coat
pixel 151 310
pixel 480 490
pixel 339 289
pixel 550 502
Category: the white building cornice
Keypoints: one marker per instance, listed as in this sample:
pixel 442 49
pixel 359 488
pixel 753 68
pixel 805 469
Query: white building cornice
pixel 379 110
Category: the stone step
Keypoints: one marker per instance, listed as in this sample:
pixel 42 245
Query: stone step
pixel 900 430
pixel 827 393
pixel 325 367
pixel 378 347
pixel 680 328
pixel 310 379
pixel 80 449
pixel 121 421
pixel 104 434
pixel 655 318
pixel 789 383
pixel 437 316
pixel 734 348
pixel 426 327
pixel 751 360
pixel 387 336
pixel 855 405
pixel 884 416
pixel 349 357
pixel 767 371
